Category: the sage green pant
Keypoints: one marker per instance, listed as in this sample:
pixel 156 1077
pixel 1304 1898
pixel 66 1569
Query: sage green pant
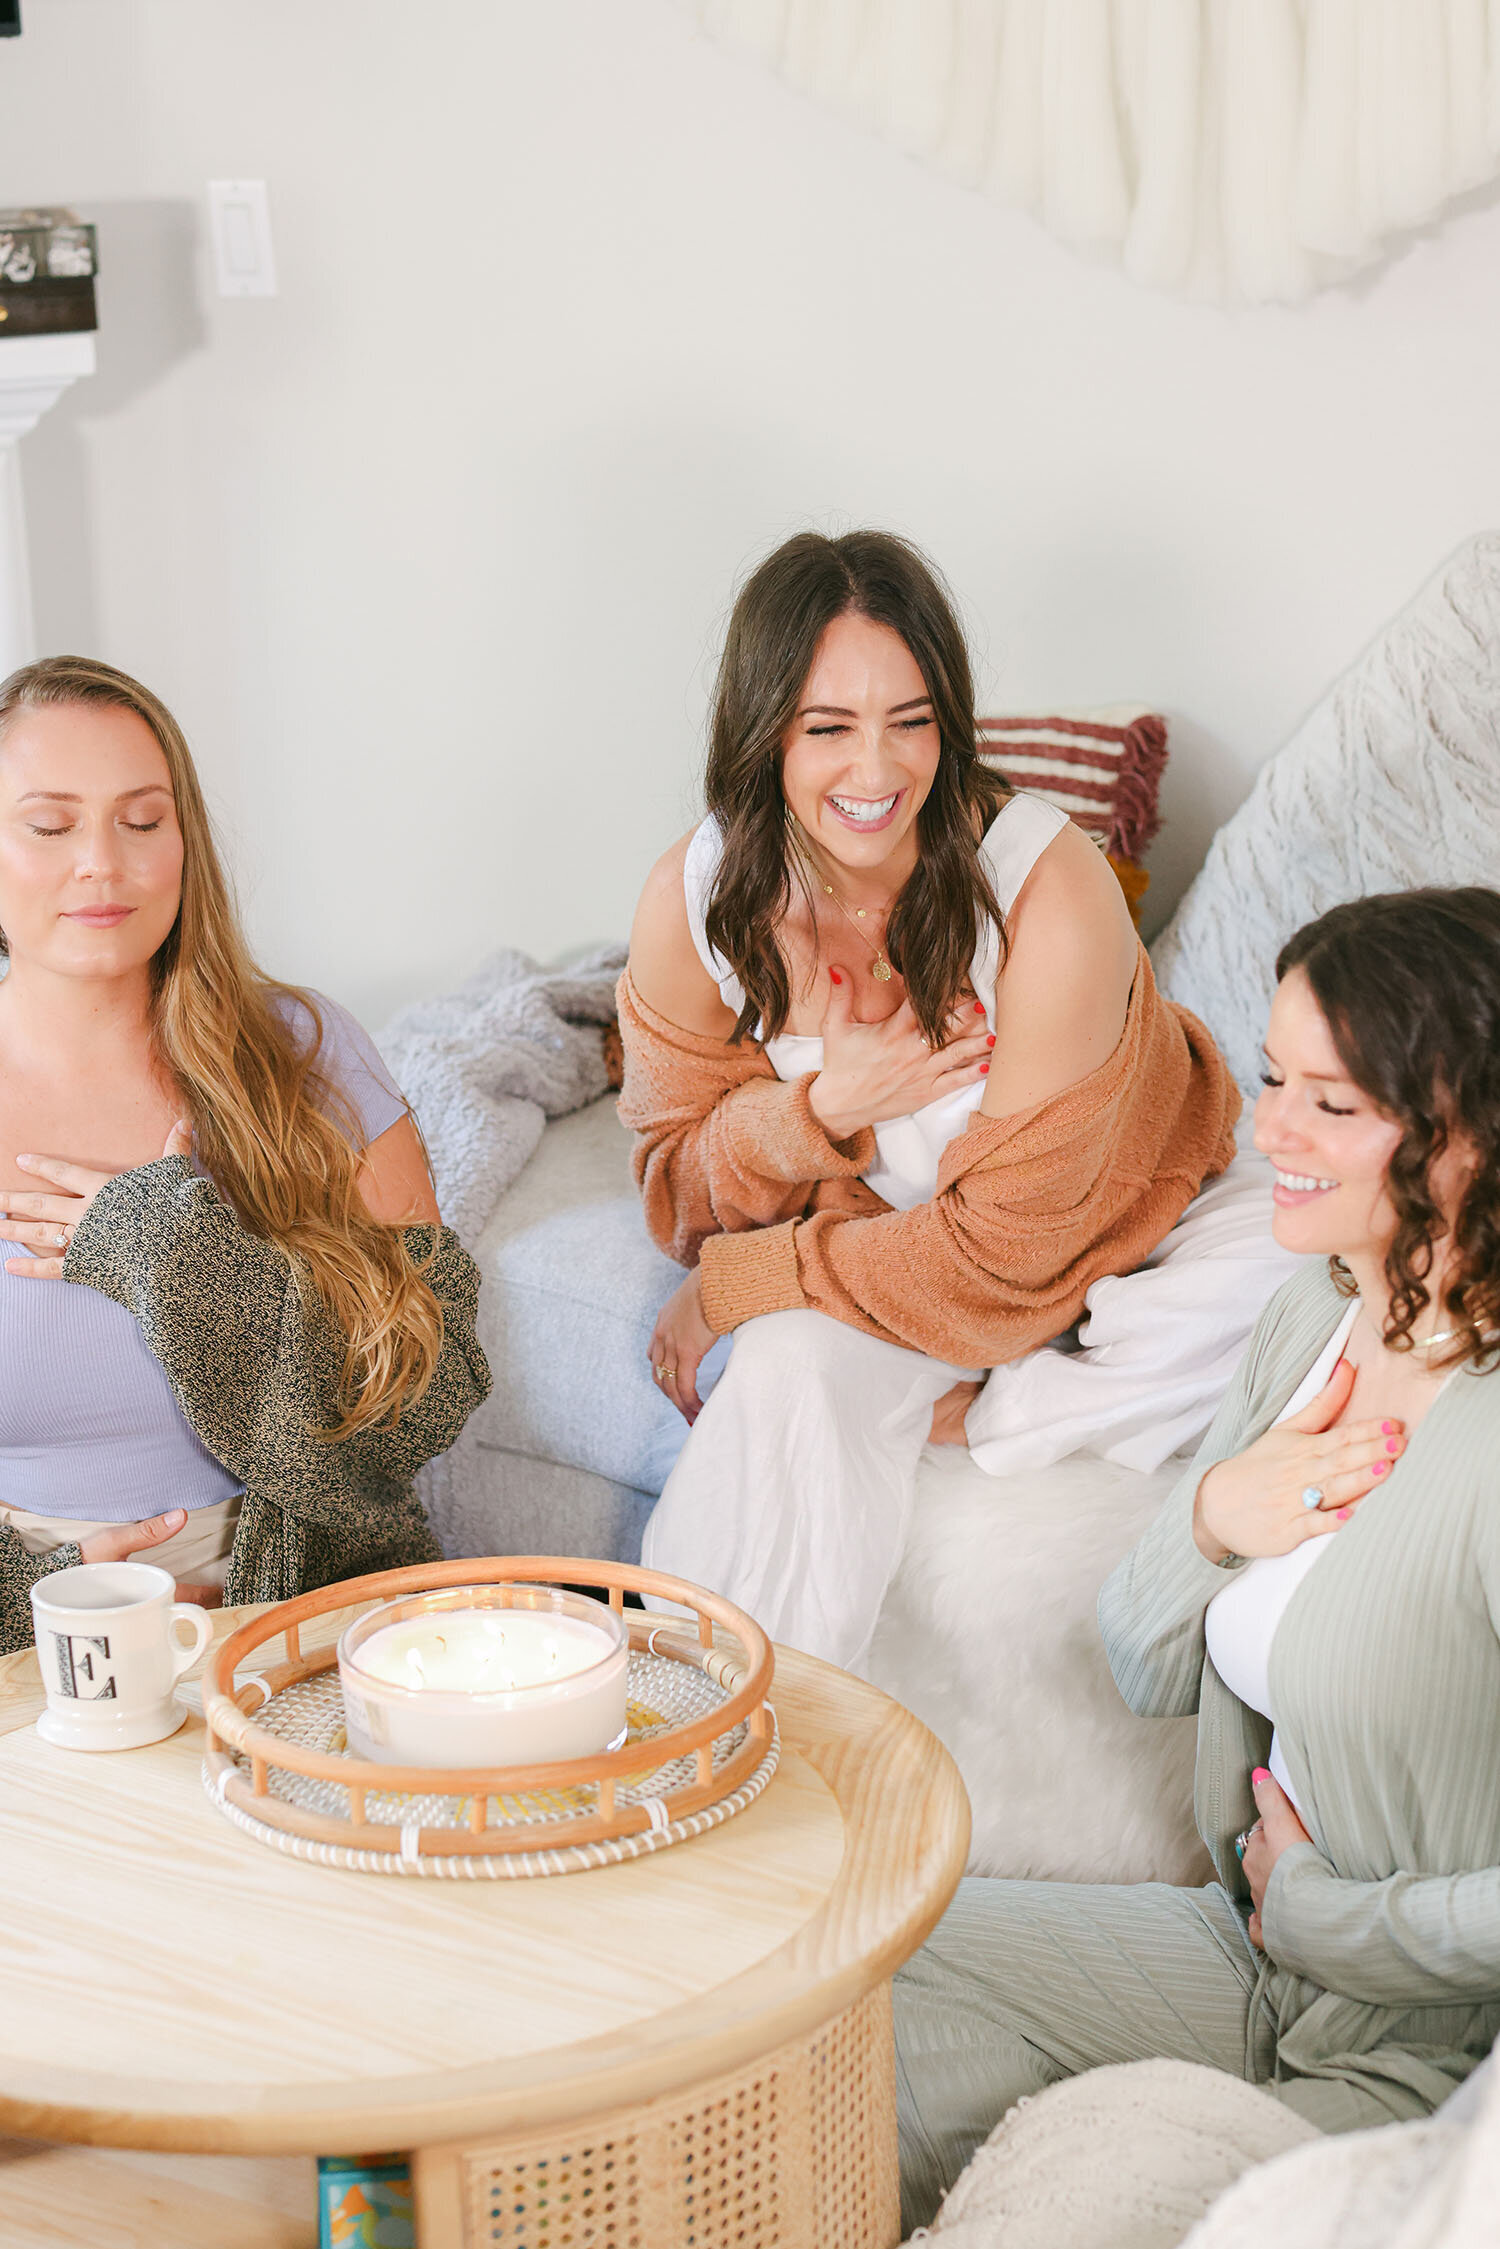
pixel 1023 1983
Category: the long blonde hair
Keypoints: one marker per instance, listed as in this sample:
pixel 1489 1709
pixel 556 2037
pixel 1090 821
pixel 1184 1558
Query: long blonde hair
pixel 272 1132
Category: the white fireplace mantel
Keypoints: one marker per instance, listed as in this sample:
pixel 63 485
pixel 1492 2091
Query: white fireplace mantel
pixel 34 373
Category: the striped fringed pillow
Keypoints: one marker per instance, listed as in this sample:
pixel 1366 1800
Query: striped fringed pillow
pixel 1103 768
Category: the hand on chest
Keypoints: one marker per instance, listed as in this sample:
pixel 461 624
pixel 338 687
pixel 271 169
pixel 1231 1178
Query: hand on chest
pixel 107 1126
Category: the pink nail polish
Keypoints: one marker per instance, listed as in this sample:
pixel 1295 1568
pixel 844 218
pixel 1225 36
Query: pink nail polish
pixel 1261 1772
pixel 1387 1429
pixel 1393 1445
pixel 1381 1468
pixel 1343 1514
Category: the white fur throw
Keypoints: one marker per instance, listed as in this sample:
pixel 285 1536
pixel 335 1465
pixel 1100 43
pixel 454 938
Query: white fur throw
pixel 989 1634
pixel 1393 781
pixel 1123 2158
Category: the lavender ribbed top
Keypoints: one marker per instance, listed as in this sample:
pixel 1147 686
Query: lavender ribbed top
pixel 89 1426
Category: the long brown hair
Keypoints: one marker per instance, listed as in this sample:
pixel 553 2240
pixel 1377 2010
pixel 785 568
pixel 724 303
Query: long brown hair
pixel 272 1132
pixel 781 614
pixel 1408 983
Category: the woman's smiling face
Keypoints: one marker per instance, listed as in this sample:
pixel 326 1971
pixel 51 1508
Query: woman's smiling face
pixel 860 755
pixel 1331 1146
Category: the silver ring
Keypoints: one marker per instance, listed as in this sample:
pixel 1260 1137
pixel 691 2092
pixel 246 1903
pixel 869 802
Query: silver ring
pixel 62 1236
pixel 1312 1496
pixel 1242 1840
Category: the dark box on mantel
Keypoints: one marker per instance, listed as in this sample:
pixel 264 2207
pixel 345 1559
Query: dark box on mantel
pixel 48 259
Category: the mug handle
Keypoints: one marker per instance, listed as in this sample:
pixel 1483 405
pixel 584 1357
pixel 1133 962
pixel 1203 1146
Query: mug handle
pixel 202 1623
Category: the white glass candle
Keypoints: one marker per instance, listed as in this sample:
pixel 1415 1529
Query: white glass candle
pixel 484 1675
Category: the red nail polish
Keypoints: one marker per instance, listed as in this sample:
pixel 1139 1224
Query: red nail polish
pixel 990 1040
pixel 1381 1468
pixel 1343 1514
pixel 984 1069
pixel 837 978
pixel 979 1007
pixel 1393 1445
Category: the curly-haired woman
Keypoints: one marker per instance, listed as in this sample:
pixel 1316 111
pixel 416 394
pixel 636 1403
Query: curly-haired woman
pixel 1323 1589
pixel 273 1330
pixel 902 1082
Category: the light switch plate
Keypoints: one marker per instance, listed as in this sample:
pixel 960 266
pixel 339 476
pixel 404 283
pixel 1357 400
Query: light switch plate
pixel 240 220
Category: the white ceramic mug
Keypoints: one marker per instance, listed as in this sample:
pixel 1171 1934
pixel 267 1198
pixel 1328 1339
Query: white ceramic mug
pixel 106 1639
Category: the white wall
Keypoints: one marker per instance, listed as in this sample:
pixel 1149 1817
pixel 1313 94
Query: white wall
pixel 579 315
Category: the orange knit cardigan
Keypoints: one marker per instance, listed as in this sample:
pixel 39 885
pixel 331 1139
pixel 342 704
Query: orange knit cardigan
pixel 737 1175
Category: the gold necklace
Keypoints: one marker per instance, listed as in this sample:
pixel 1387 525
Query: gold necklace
pixel 880 967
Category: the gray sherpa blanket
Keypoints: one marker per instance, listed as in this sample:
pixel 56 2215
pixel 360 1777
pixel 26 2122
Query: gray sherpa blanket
pixel 485 1067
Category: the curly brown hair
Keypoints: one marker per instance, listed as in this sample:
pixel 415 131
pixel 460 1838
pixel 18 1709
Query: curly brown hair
pixel 1409 985
pixel 781 614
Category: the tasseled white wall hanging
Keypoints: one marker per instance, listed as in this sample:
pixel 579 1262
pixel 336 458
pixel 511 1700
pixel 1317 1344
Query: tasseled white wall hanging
pixel 1248 150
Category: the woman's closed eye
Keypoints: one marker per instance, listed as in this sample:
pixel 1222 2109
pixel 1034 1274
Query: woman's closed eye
pixel 132 827
pixel 1329 1108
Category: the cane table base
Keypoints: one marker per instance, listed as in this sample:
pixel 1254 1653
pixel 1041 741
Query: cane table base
pixel 797 2151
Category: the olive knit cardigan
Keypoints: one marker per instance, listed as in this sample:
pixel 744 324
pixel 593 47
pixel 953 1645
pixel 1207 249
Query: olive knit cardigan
pixel 737 1175
pixel 254 1362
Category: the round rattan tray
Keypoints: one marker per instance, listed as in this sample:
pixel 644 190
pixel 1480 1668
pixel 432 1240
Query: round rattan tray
pixel 701 1745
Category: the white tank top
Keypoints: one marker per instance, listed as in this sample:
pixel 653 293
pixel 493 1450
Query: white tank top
pixel 1240 1623
pixel 908 1149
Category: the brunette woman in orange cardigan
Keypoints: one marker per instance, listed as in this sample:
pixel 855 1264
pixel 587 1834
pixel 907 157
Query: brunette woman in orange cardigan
pixel 902 1084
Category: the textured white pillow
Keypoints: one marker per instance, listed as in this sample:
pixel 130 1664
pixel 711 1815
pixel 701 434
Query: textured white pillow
pixel 1392 782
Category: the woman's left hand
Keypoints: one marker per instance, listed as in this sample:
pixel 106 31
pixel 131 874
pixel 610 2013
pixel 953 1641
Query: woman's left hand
pixel 49 1222
pixel 679 1344
pixel 1277 1829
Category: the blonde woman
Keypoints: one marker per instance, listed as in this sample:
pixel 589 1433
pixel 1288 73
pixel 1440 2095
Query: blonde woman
pixel 232 1325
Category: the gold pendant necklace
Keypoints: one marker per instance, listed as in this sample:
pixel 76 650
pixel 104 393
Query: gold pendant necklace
pixel 880 967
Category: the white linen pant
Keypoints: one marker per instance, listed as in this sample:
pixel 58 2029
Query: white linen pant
pixel 793 1493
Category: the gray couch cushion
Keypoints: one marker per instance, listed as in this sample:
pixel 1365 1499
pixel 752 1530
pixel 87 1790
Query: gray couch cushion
pixel 572 1287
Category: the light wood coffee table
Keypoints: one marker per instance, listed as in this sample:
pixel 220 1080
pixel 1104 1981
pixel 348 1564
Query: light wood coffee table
pixel 689 2048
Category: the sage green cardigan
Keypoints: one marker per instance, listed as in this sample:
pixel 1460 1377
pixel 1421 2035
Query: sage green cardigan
pixel 1382 1934
pixel 254 1363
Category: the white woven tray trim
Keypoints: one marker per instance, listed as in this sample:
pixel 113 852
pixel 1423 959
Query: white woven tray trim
pixel 511 1866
